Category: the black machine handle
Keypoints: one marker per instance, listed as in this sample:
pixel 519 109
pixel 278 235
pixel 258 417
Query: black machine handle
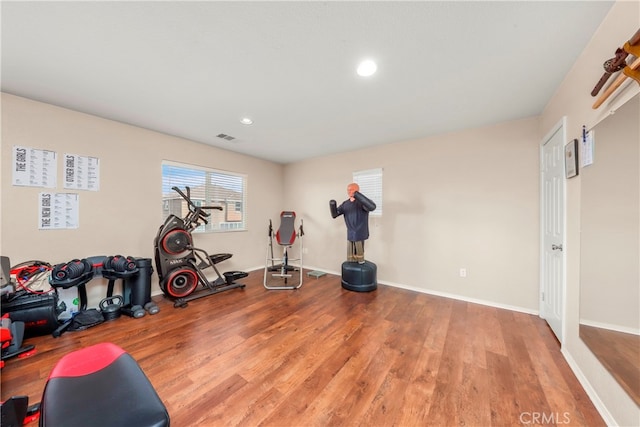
pixel 197 214
pixel 192 205
pixel 211 207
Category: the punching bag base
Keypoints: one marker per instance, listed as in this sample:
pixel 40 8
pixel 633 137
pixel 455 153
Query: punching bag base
pixel 359 277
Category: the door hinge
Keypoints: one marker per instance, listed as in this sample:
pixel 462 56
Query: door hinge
pixel 543 297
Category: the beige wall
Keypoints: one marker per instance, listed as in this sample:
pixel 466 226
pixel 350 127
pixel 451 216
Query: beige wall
pixel 574 101
pixel 609 225
pixel 461 200
pixel 468 199
pixel 124 216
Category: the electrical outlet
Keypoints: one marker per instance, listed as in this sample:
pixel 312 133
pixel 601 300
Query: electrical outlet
pixel 463 272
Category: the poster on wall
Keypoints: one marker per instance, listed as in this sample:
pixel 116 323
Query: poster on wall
pixel 586 150
pixel 81 172
pixel 58 211
pixel 34 168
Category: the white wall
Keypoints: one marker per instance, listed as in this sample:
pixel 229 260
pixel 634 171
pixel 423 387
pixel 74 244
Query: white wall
pixel 124 216
pixel 461 200
pixel 574 101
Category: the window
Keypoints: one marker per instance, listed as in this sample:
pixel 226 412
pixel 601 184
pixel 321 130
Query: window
pixel 370 182
pixel 209 187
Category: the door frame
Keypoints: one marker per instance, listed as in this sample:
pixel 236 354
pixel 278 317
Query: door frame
pixel 562 127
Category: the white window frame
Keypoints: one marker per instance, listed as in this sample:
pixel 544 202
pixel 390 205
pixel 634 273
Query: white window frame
pixel 370 183
pixel 206 192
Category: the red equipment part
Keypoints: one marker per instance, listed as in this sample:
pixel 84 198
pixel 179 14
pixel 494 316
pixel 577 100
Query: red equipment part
pixel 11 336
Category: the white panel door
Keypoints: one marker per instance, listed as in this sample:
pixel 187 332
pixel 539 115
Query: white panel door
pixel 552 274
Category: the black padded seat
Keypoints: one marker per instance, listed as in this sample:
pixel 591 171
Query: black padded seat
pixel 100 386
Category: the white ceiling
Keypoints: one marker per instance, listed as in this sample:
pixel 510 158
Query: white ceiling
pixel 193 69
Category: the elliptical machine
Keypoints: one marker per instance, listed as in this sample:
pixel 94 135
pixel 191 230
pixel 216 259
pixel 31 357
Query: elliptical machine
pixel 181 267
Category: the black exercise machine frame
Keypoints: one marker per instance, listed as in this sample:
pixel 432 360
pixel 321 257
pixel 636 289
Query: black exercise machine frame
pixel 179 262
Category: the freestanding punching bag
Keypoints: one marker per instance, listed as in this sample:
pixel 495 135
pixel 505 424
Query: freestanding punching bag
pixel 359 277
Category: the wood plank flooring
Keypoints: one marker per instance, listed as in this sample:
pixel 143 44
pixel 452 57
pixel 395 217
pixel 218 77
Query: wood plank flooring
pixel 619 353
pixel 324 356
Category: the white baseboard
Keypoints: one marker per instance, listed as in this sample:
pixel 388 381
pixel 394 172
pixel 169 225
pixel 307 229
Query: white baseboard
pixel 617 328
pixel 411 288
pixel 602 409
pixel 442 294
pixel 462 298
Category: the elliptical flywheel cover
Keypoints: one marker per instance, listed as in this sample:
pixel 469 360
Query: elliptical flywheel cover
pixel 181 282
pixel 176 241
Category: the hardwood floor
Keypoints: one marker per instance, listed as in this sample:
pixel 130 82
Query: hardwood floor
pixel 324 356
pixel 619 353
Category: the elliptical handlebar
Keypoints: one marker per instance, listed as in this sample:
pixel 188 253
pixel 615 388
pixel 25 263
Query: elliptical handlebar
pixel 193 206
pixel 197 214
pixel 184 196
pixel 211 207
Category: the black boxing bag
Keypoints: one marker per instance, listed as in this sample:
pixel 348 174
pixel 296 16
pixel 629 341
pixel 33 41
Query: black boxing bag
pixel 366 202
pixel 333 207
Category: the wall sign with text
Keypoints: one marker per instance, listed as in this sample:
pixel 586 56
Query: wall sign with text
pixel 34 168
pixel 81 172
pixel 57 211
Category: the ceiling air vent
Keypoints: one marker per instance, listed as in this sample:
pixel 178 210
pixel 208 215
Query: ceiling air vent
pixel 225 136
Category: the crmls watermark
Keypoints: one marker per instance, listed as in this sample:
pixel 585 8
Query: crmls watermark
pixel 542 418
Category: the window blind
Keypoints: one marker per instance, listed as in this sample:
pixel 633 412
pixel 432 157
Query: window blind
pixel 209 187
pixel 370 182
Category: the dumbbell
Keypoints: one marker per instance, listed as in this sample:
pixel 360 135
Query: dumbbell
pixel 151 307
pixel 135 311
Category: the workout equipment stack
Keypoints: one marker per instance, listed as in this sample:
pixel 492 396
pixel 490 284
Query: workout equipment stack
pixel 135 274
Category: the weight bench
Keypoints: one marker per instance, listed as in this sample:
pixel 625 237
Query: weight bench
pixel 100 386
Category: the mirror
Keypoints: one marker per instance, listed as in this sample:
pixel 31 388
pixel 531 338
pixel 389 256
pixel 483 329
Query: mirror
pixel 610 247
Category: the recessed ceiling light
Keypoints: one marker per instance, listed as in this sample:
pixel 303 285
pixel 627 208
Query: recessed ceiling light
pixel 246 121
pixel 367 68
